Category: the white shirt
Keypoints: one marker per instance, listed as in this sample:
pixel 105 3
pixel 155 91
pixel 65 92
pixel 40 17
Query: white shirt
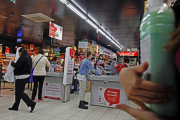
pixel 40 69
pixel 21 76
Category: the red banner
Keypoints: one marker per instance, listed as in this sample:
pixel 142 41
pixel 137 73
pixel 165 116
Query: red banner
pixel 127 54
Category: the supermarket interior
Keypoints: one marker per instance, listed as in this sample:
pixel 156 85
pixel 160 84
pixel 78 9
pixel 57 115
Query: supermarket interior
pixel 86 45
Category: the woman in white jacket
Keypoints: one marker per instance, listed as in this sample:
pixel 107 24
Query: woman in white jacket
pixel 39 73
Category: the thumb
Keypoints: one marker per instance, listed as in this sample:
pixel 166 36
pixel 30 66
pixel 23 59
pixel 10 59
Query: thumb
pixel 133 112
pixel 141 68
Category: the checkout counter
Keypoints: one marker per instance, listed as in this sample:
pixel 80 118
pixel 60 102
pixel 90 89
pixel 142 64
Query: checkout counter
pixel 53 87
pixel 106 91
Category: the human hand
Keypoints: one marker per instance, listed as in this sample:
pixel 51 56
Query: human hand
pixel 12 60
pixel 142 91
pixel 139 114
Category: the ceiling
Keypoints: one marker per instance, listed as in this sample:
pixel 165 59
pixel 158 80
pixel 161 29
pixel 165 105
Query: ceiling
pixel 120 18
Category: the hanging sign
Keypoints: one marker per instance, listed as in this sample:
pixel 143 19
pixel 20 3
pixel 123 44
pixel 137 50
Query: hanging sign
pixel 69 66
pixel 55 31
pixel 83 44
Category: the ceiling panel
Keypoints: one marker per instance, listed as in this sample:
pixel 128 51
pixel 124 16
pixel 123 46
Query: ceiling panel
pixel 120 18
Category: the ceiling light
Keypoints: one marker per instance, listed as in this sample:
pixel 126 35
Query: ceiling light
pixel 76 11
pixel 64 1
pixel 91 21
pixel 92 24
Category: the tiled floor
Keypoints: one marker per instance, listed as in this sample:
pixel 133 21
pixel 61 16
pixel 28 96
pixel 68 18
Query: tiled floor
pixel 51 109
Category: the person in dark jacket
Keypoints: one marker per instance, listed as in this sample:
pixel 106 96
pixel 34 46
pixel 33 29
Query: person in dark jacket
pixel 22 73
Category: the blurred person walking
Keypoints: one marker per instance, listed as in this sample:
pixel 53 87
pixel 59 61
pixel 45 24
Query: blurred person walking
pixel 22 73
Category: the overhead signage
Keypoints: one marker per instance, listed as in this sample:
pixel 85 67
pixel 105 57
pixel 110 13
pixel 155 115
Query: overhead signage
pixel 55 31
pixel 69 66
pixel 83 44
pixel 14 1
pixel 127 53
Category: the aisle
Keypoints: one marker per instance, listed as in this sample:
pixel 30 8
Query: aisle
pixel 51 109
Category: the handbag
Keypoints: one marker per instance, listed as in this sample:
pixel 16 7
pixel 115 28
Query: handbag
pixel 31 78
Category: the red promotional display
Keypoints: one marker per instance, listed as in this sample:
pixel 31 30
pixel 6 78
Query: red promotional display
pixel 112 96
pixel 52 90
pixel 7 50
pixel 31 46
pixel 108 97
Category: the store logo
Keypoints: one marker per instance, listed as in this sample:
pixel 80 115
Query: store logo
pixel 72 53
pixel 112 96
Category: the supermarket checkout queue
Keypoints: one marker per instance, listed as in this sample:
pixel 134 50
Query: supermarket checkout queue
pixel 85 67
pixel 22 73
pixel 141 91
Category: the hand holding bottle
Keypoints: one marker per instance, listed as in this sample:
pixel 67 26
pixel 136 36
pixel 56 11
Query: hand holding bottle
pixel 141 90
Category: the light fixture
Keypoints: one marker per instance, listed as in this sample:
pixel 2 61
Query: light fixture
pixel 91 21
pixel 64 1
pixel 76 11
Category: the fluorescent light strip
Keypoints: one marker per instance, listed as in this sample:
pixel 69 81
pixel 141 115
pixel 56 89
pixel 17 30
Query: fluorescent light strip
pixel 92 24
pixel 76 11
pixel 64 1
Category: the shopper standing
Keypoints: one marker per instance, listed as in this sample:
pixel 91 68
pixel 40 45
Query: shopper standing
pixel 124 65
pixel 86 65
pixel 113 67
pixel 39 73
pixel 22 73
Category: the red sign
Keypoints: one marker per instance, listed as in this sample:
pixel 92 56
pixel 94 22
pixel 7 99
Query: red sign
pixel 7 50
pixel 31 46
pixel 112 96
pixel 127 53
pixel 52 30
pixel 72 53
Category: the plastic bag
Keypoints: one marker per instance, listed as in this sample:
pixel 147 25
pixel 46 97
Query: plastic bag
pixel 9 75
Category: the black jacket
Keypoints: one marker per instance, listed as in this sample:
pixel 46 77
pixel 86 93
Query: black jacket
pixel 22 67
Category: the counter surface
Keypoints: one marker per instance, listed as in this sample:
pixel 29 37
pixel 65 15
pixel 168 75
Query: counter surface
pixel 52 74
pixel 106 78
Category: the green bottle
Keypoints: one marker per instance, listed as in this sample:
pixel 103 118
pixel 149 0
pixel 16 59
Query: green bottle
pixel 155 31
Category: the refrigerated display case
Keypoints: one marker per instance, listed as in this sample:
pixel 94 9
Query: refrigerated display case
pixel 132 55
